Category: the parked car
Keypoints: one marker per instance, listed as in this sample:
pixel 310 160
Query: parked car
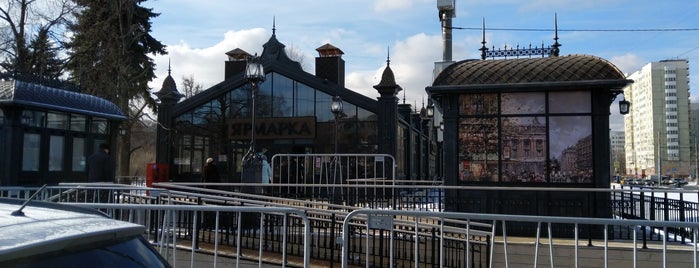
pixel 43 234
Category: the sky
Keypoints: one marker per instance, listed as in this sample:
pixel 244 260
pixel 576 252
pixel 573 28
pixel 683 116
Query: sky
pixel 199 33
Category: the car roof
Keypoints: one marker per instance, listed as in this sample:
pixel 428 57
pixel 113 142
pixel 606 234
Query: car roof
pixel 46 227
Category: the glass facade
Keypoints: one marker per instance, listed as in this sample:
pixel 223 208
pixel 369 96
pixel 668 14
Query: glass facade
pixel 290 117
pixel 60 131
pixel 528 137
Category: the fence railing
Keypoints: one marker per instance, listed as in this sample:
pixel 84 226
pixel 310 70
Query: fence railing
pixel 223 220
pixel 382 221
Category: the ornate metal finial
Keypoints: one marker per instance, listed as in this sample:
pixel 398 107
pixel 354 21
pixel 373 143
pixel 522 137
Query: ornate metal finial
pixel 388 55
pixel 403 96
pixel 274 25
pixel 169 70
pixel 483 49
pixel 555 48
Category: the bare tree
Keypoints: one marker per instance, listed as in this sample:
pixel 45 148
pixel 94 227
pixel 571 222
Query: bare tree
pixel 296 55
pixel 22 19
pixel 190 87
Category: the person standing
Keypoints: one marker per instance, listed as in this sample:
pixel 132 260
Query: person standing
pixel 210 172
pixel 100 167
pixel 266 174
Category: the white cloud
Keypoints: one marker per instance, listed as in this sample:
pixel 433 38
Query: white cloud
pixel 206 65
pixel 392 5
pixel 628 63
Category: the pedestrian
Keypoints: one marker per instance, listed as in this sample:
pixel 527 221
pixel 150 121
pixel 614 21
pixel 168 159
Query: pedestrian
pixel 210 172
pixel 100 166
pixel 266 173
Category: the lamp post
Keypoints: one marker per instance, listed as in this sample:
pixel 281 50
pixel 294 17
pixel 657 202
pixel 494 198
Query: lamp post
pixel 336 109
pixel 255 74
pixel 252 165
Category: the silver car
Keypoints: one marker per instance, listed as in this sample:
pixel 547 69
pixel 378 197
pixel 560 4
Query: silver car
pixel 41 234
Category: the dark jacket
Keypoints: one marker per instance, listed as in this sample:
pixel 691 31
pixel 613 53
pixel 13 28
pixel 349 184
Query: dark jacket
pixel 210 173
pixel 100 167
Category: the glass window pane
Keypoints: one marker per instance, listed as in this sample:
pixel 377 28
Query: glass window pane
pixel 323 102
pixel 571 149
pixel 56 153
pixel 30 152
pixel 478 104
pixel 99 126
pixel 570 102
pixel 305 99
pixel 33 118
pixel 78 122
pixel 364 115
pixel 263 100
pixel 524 149
pixel 523 103
pixel 57 121
pixel 283 96
pixel 78 159
pixel 478 149
pixel 349 111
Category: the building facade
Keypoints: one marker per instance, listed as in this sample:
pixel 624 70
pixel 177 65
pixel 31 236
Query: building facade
pixel 292 112
pixel 526 123
pixel 657 128
pixel 618 150
pixel 47 133
pixel 694 139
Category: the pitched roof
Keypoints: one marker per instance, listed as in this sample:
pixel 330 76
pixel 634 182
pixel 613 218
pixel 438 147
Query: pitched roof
pixel 29 94
pixel 486 73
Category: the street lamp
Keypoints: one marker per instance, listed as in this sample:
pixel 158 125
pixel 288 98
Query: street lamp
pixel 624 106
pixel 252 165
pixel 255 74
pixel 336 108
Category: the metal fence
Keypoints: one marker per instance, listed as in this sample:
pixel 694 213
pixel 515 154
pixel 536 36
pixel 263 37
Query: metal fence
pixel 226 223
pixel 382 222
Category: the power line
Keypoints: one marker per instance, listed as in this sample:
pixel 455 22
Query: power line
pixel 580 30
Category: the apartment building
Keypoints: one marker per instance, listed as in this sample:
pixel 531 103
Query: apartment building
pixel 657 132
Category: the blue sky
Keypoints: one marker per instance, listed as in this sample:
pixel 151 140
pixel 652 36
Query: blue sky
pixel 198 33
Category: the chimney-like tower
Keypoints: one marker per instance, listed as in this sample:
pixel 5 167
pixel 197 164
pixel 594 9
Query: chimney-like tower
pixel 237 60
pixel 330 65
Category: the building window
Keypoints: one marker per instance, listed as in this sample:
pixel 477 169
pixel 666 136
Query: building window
pixel 32 118
pixel 78 159
pixel 78 122
pixel 56 121
pixel 30 152
pixel 56 145
pixel 99 126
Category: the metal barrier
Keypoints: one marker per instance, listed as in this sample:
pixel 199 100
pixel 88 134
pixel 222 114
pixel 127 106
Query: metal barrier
pixel 167 221
pixel 326 220
pixel 408 227
pixel 335 177
pixel 383 221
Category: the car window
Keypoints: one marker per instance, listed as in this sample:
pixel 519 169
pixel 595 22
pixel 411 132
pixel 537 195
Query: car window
pixel 133 252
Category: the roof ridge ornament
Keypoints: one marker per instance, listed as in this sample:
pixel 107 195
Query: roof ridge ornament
pixel 551 51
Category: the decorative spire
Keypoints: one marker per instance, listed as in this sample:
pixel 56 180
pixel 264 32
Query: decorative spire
pixel 403 97
pixel 387 85
pixel 169 70
pixel 274 25
pixel 483 49
pixel 388 56
pixel 555 50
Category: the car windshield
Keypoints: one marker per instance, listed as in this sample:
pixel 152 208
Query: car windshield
pixel 133 252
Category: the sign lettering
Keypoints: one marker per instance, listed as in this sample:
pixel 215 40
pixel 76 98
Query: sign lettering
pixel 274 128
